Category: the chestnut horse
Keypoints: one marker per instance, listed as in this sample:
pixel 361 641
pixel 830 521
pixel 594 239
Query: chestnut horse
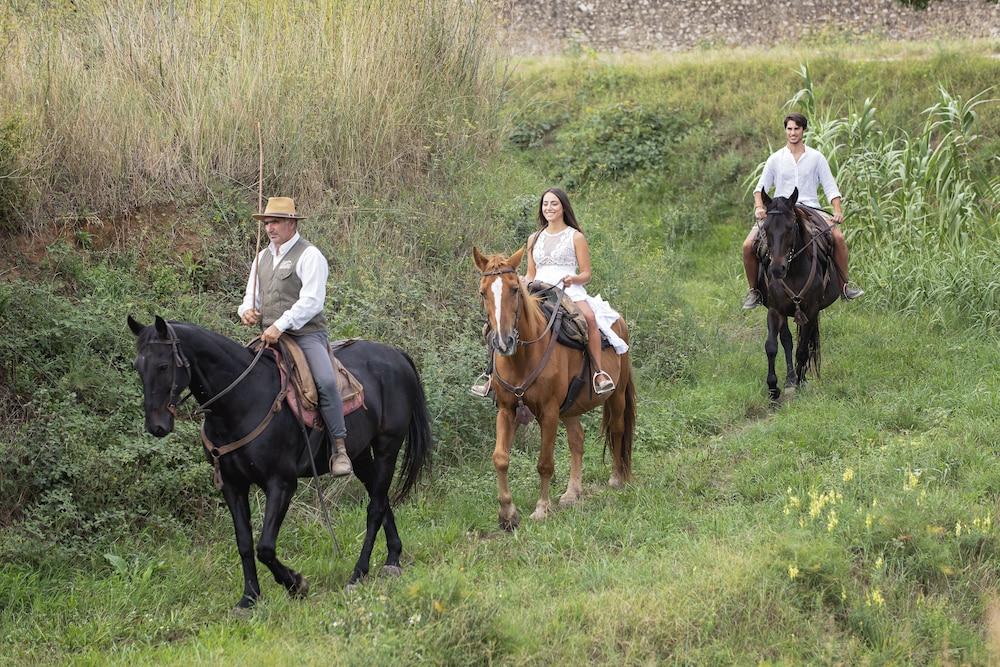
pixel 531 371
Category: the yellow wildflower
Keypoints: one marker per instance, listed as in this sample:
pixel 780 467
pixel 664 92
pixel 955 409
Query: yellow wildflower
pixel 868 521
pixel 879 563
pixel 793 572
pixel 848 474
pixel 832 521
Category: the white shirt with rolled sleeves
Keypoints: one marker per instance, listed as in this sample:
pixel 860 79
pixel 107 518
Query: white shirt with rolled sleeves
pixel 312 269
pixel 784 174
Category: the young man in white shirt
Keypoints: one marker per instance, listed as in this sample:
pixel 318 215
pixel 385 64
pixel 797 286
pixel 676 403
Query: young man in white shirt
pixel 289 300
pixel 797 166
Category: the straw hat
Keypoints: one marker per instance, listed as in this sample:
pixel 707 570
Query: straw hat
pixel 279 207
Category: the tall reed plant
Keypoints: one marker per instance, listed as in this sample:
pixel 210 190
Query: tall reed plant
pixel 127 102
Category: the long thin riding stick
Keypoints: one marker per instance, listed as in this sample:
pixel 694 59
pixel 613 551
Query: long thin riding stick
pixel 260 209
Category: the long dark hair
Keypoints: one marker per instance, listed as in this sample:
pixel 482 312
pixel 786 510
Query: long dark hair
pixel 568 216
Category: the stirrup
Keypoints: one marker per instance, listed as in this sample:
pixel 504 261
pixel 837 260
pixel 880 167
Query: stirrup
pixel 605 386
pixel 849 292
pixel 482 386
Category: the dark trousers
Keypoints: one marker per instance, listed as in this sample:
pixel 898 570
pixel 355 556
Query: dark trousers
pixel 316 347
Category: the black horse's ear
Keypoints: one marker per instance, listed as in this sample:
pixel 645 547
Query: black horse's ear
pixel 161 327
pixel 135 326
pixel 793 198
pixel 764 198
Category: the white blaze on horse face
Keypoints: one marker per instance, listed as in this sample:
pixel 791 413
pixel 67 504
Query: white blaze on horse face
pixel 497 288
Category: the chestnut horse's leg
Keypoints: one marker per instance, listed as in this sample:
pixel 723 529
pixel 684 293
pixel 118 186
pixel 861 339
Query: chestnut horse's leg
pixel 239 508
pixel 574 434
pixel 279 494
pixel 549 422
pixel 785 335
pixel 506 427
pixel 774 319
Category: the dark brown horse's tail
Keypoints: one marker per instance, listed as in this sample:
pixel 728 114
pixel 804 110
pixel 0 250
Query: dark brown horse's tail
pixel 624 453
pixel 809 340
pixel 417 455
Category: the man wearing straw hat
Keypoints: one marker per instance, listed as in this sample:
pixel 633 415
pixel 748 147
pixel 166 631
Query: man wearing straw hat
pixel 292 274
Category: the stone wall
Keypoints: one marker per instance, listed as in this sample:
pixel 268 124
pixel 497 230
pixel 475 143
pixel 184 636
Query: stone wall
pixel 550 26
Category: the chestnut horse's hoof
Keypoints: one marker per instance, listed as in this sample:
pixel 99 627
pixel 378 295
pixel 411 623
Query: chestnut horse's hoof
pixel 392 571
pixel 510 524
pixel 569 499
pixel 300 588
pixel 615 482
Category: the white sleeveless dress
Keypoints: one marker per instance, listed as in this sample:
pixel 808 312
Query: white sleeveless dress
pixel 555 258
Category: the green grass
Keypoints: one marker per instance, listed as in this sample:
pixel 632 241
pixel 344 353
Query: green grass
pixel 845 526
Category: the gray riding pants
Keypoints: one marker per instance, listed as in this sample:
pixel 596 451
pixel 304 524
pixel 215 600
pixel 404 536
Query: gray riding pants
pixel 316 347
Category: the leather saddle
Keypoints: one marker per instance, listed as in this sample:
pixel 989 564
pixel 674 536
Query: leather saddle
pixel 303 397
pixel 573 330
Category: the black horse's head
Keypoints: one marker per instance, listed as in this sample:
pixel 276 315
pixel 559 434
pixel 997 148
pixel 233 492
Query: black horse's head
pixel 781 226
pixel 164 370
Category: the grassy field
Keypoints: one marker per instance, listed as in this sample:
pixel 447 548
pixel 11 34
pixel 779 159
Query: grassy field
pixel 852 524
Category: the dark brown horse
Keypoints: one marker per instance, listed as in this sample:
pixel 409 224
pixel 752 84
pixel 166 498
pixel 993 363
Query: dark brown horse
pixel 799 281
pixel 533 372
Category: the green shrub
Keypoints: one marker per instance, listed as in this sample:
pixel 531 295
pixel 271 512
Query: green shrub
pixel 623 140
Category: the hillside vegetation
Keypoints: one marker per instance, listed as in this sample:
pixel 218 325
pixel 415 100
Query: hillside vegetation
pixel 855 523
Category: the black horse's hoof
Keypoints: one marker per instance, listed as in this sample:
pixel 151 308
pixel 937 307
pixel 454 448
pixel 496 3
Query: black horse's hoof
pixel 300 588
pixel 242 610
pixel 392 571
pixel 775 394
pixel 355 581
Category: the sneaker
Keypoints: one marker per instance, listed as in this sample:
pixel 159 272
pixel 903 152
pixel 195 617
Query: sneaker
pixel 851 292
pixel 603 383
pixel 752 300
pixel 482 387
pixel 340 463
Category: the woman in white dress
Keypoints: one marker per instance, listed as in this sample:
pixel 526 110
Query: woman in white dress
pixel 558 254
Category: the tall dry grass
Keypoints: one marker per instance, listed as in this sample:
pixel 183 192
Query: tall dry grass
pixel 126 102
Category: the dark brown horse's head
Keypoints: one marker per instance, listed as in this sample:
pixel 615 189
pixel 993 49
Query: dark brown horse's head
pixel 164 371
pixel 503 297
pixel 781 227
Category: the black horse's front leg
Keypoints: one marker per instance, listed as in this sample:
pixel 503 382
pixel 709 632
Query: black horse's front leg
pixel 786 343
pixel 774 319
pixel 279 495
pixel 239 508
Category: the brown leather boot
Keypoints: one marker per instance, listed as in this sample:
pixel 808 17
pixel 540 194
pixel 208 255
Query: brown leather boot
pixel 340 463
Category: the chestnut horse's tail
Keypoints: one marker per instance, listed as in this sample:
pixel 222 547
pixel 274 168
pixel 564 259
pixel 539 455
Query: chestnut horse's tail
pixel 621 451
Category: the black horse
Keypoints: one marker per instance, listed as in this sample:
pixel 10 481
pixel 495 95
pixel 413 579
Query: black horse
pixel 799 281
pixel 178 355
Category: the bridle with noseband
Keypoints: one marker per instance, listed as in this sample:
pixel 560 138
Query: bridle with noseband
pixel 524 414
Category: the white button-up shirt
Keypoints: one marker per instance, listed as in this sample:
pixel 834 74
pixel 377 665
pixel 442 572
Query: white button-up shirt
pixel 784 174
pixel 311 269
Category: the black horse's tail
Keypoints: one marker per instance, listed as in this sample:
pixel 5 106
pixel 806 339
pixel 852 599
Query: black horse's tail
pixel 809 341
pixel 417 456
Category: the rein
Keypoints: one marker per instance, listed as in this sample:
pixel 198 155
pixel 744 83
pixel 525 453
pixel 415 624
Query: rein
pixel 796 298
pixel 217 451
pixel 524 414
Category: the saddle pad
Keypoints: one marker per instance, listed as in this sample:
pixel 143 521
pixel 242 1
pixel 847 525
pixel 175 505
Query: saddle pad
pixel 573 331
pixel 304 405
